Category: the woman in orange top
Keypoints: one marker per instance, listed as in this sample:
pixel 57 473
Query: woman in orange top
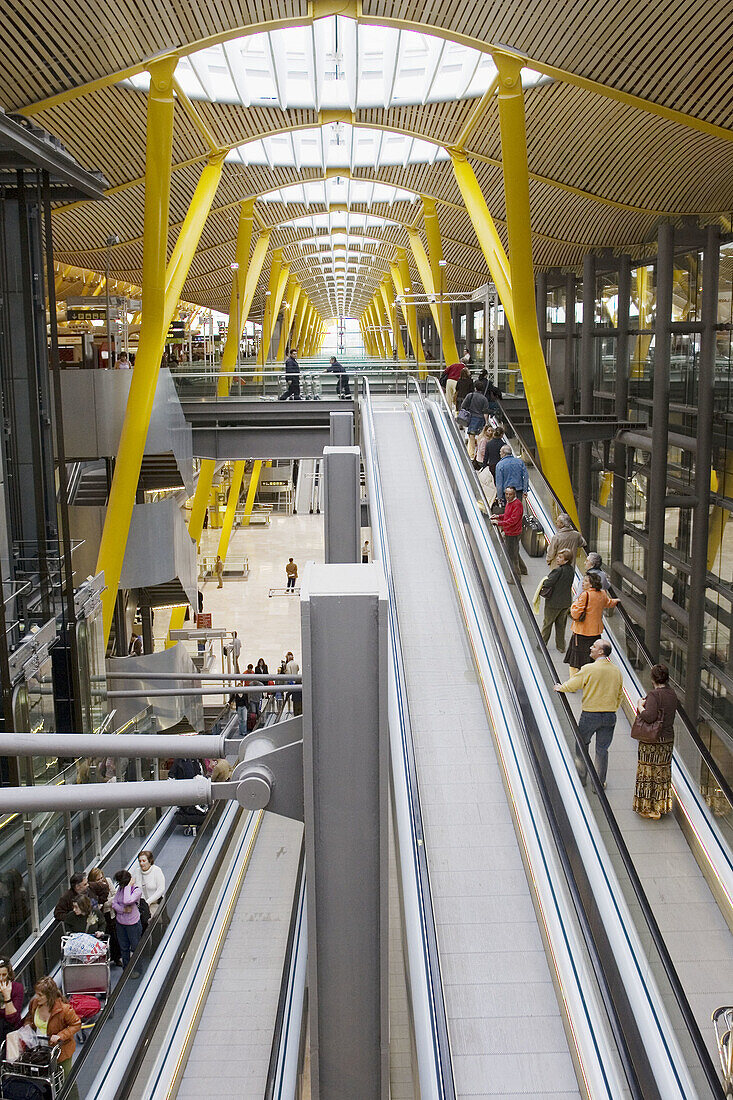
pixel 587 616
pixel 55 1019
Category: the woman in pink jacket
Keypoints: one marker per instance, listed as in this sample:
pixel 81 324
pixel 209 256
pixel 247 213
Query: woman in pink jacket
pixel 127 913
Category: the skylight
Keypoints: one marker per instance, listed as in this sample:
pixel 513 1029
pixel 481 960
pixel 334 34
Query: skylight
pixel 337 145
pixel 335 64
pixel 340 189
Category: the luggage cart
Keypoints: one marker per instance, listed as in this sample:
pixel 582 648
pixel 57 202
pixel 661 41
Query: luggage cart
pixel 723 1024
pixel 31 1080
pixel 80 975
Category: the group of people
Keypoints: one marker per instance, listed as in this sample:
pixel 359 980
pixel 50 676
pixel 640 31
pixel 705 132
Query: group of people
pixel 49 1013
pixel 505 480
pixel 116 910
pixel 247 704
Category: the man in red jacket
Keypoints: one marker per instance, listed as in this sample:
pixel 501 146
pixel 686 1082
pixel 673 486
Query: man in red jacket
pixel 449 379
pixel 510 522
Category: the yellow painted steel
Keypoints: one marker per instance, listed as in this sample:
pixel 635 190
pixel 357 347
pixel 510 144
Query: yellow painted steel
pixel 382 328
pixel 426 277
pixel 366 337
pixel 401 279
pixel 719 516
pixel 644 304
pixel 306 308
pixel 435 255
pixel 526 333
pixel 196 119
pixel 251 493
pixel 232 501
pixel 373 320
pixel 292 296
pixel 387 292
pixel 190 234
pixel 272 305
pixel 299 299
pixel 605 491
pixel 477 114
pixel 131 447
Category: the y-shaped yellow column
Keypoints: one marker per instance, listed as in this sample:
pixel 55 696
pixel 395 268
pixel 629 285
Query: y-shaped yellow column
pixel 292 297
pixel 401 279
pixel 385 289
pixel 437 271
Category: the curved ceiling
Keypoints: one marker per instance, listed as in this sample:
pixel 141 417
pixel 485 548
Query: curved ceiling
pixel 339 123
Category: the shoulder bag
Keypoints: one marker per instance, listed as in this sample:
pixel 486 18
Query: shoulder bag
pixel 547 589
pixel 584 612
pixel 648 732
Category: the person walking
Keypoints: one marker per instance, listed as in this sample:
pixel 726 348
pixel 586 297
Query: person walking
pixel 219 570
pixel 511 471
pixel 150 879
pixel 449 379
pixel 80 886
pixel 510 522
pixel 365 552
pixel 127 913
pixel 52 1017
pixel 587 616
pixel 557 590
pixel 292 572
pixel 477 407
pixel 594 564
pixel 238 702
pixel 464 386
pixel 492 454
pixel 653 790
pixel 565 538
pixel 235 649
pixel 602 686
pixel 342 378
pixel 292 377
pixel 97 875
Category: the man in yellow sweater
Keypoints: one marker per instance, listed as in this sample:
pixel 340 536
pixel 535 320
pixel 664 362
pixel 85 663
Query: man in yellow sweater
pixel 602 686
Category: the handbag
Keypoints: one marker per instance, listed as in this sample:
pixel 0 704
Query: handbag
pixel 464 416
pixel 584 612
pixel 546 589
pixel 647 732
pixel 144 910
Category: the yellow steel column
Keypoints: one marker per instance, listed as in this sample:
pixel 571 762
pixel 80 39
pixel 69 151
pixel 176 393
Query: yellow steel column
pixel 719 516
pixel 251 492
pixel 292 296
pixel 426 276
pixel 386 335
pixel 232 500
pixel 377 329
pixel 305 310
pixel 529 349
pixel 190 233
pixel 312 322
pixel 401 272
pixel 144 382
pixel 245 278
pixel 387 293
pixel 435 255
pixel 267 316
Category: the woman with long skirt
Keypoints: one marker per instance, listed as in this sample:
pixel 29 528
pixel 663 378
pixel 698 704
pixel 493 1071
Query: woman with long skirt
pixel 653 791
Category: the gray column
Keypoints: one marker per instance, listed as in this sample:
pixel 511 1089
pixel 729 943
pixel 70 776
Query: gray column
pixel 586 389
pixel 541 300
pixel 342 429
pixel 660 441
pixel 569 380
pixel 345 780
pixel 703 463
pixel 621 408
pixel 342 504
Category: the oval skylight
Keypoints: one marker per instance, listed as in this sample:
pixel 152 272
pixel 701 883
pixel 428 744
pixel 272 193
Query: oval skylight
pixel 336 145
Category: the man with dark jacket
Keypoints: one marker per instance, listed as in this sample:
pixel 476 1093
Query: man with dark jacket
pixel 559 584
pixel 342 379
pixel 79 886
pixel 292 377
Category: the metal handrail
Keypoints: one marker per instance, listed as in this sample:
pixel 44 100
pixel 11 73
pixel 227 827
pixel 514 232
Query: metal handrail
pixel 685 719
pixel 683 1004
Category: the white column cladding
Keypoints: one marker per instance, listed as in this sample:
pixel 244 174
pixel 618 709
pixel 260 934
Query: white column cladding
pixel 342 504
pixel 345 778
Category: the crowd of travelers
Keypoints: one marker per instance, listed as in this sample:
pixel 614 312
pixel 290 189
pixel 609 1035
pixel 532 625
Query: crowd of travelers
pixel 505 481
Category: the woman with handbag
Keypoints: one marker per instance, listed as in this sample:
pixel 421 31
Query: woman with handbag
pixel 587 616
pixel 557 592
pixel 654 730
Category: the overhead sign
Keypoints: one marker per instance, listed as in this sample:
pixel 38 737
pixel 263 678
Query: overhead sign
pixel 203 621
pixel 87 314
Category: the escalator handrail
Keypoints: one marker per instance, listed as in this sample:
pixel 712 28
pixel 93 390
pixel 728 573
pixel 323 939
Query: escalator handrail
pixel 441 1048
pixel 685 719
pixel 650 921
pixel 281 1033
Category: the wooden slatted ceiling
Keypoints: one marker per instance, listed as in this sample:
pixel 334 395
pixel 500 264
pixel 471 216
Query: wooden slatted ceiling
pixel 574 136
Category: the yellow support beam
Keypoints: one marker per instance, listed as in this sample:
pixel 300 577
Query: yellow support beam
pixel 719 516
pixel 251 493
pixel 477 114
pixel 423 267
pixel 379 335
pixel 159 141
pixel 197 121
pixel 381 329
pixel 401 278
pixel 437 270
pixel 292 297
pixel 304 313
pixel 275 289
pixel 526 333
pixel 190 234
pixel 387 293
pixel 232 501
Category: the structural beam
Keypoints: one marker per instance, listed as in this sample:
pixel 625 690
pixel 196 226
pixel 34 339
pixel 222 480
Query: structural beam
pixel 159 140
pixel 387 292
pixel 522 315
pixel 426 277
pixel 292 297
pixel 400 271
pixel 254 479
pixel 342 504
pixel 439 289
pixel 232 501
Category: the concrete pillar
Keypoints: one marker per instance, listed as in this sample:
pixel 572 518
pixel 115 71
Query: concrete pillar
pixel 342 504
pixel 345 781
pixel 342 429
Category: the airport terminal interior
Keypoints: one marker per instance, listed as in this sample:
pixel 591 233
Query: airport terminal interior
pixel 366 572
